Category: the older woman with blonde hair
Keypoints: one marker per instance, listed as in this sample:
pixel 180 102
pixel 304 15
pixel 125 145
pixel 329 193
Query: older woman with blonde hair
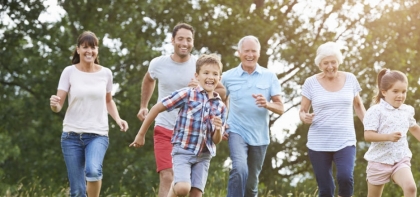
pixel 331 137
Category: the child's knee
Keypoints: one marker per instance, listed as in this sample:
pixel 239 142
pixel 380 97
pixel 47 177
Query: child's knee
pixel 182 188
pixel 410 188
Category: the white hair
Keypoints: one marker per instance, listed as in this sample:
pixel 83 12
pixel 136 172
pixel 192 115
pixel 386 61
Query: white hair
pixel 248 37
pixel 328 49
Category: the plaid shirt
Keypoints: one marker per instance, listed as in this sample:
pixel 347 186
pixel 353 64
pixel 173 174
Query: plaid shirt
pixel 193 128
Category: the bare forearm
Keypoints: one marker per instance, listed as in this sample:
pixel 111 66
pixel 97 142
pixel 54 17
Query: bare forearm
pixel 112 110
pixel 147 88
pixel 276 107
pixel 360 112
pixel 217 136
pixel 371 136
pixel 156 109
pixel 415 131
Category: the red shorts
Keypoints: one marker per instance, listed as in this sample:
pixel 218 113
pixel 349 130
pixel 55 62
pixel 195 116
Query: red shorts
pixel 163 148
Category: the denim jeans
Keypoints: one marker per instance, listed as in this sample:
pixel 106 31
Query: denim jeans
pixel 83 154
pixel 322 164
pixel 247 162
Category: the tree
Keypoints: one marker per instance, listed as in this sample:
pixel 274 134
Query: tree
pixel 132 32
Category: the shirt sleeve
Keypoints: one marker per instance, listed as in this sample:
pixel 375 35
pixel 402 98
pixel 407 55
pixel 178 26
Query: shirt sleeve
pixel 275 88
pixel 356 86
pixel 306 89
pixel 64 83
pixel 152 67
pixel 412 122
pixel 176 99
pixel 371 119
pixel 110 81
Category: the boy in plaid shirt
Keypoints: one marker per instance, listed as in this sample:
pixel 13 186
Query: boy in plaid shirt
pixel 198 128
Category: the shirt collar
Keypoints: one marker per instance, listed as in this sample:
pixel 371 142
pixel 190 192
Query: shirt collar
pixel 385 104
pixel 258 69
pixel 201 90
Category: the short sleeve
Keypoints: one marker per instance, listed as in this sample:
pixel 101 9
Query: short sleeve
pixel 110 81
pixel 275 88
pixel 371 119
pixel 412 122
pixel 64 83
pixel 306 89
pixel 356 85
pixel 152 68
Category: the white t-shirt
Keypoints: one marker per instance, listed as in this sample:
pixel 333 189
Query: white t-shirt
pixel 384 119
pixel 171 76
pixel 332 128
pixel 87 112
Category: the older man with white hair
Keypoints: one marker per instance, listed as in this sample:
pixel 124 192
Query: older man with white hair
pixel 250 88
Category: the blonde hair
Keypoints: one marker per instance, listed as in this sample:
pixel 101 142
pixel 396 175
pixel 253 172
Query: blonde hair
pixel 204 59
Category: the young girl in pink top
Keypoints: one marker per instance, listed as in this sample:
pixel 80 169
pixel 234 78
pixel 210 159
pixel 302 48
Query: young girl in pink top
pixel 386 125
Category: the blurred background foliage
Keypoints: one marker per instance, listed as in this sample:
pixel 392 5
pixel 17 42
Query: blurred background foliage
pixel 36 45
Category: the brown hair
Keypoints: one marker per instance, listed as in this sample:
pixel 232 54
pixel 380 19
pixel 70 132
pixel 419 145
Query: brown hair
pixel 182 26
pixel 208 59
pixel 88 38
pixel 386 79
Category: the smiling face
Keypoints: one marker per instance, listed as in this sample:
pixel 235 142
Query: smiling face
pixel 208 77
pixel 88 53
pixel 183 43
pixel 249 53
pixel 329 66
pixel 396 95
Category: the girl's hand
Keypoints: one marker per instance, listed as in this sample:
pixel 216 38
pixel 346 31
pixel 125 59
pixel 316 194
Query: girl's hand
pixel 394 137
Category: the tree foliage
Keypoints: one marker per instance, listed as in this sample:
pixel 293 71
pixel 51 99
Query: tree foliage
pixel 132 32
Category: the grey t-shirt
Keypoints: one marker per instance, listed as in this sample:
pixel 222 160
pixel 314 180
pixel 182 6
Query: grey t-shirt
pixel 171 76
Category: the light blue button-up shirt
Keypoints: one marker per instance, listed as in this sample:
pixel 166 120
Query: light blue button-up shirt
pixel 245 117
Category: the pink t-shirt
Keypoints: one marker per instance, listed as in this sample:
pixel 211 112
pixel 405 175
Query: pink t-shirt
pixel 87 112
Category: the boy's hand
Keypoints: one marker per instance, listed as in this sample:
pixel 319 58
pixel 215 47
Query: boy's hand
pixel 394 137
pixel 138 141
pixel 217 122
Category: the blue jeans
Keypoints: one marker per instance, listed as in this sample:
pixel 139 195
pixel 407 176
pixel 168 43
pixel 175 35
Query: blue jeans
pixel 247 162
pixel 83 154
pixel 322 164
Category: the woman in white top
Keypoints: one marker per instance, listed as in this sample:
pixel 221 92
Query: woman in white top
pixel 386 125
pixel 331 137
pixel 84 140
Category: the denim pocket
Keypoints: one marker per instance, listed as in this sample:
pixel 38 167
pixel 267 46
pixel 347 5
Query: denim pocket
pixel 64 136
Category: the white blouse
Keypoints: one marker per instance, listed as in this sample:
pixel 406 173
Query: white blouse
pixel 385 119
